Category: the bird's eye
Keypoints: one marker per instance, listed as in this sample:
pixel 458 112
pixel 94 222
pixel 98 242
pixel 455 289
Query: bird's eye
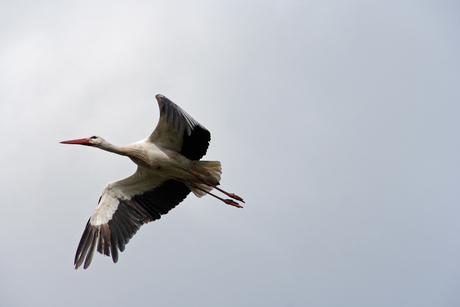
pixel 93 137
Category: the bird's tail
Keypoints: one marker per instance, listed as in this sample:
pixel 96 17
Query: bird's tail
pixel 210 171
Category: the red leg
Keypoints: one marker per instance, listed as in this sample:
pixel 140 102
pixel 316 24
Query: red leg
pixel 215 187
pixel 227 201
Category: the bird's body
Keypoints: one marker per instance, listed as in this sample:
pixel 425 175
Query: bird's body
pixel 168 169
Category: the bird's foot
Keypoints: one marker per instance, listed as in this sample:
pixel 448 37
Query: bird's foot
pixel 234 196
pixel 232 203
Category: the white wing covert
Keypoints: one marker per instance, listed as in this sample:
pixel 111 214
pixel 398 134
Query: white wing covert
pixel 124 206
pixel 178 131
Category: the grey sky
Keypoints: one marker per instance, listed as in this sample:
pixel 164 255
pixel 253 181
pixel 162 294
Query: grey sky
pixel 337 122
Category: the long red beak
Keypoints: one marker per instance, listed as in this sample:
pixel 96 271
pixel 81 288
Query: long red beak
pixel 77 141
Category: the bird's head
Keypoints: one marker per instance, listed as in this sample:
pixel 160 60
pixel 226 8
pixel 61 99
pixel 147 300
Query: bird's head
pixel 94 140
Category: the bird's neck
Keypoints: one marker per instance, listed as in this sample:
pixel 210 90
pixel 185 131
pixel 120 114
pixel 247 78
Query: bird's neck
pixel 120 150
pixel 133 152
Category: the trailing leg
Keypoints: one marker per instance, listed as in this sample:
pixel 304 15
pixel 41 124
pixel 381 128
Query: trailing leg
pixel 234 196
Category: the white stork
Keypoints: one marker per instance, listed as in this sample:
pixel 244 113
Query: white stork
pixel 168 168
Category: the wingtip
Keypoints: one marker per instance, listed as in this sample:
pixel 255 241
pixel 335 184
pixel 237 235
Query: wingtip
pixel 160 97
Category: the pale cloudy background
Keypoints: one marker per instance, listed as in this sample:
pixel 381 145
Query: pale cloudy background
pixel 337 121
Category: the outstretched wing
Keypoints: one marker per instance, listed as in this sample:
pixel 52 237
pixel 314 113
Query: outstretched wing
pixel 178 131
pixel 124 206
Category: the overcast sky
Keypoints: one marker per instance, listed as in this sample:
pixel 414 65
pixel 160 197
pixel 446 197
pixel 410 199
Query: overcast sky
pixel 336 121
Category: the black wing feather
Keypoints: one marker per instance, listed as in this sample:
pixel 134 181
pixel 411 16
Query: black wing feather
pixel 195 145
pixel 196 138
pixel 126 221
pixel 91 250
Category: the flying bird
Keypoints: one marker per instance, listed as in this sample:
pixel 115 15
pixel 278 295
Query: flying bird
pixel 168 169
